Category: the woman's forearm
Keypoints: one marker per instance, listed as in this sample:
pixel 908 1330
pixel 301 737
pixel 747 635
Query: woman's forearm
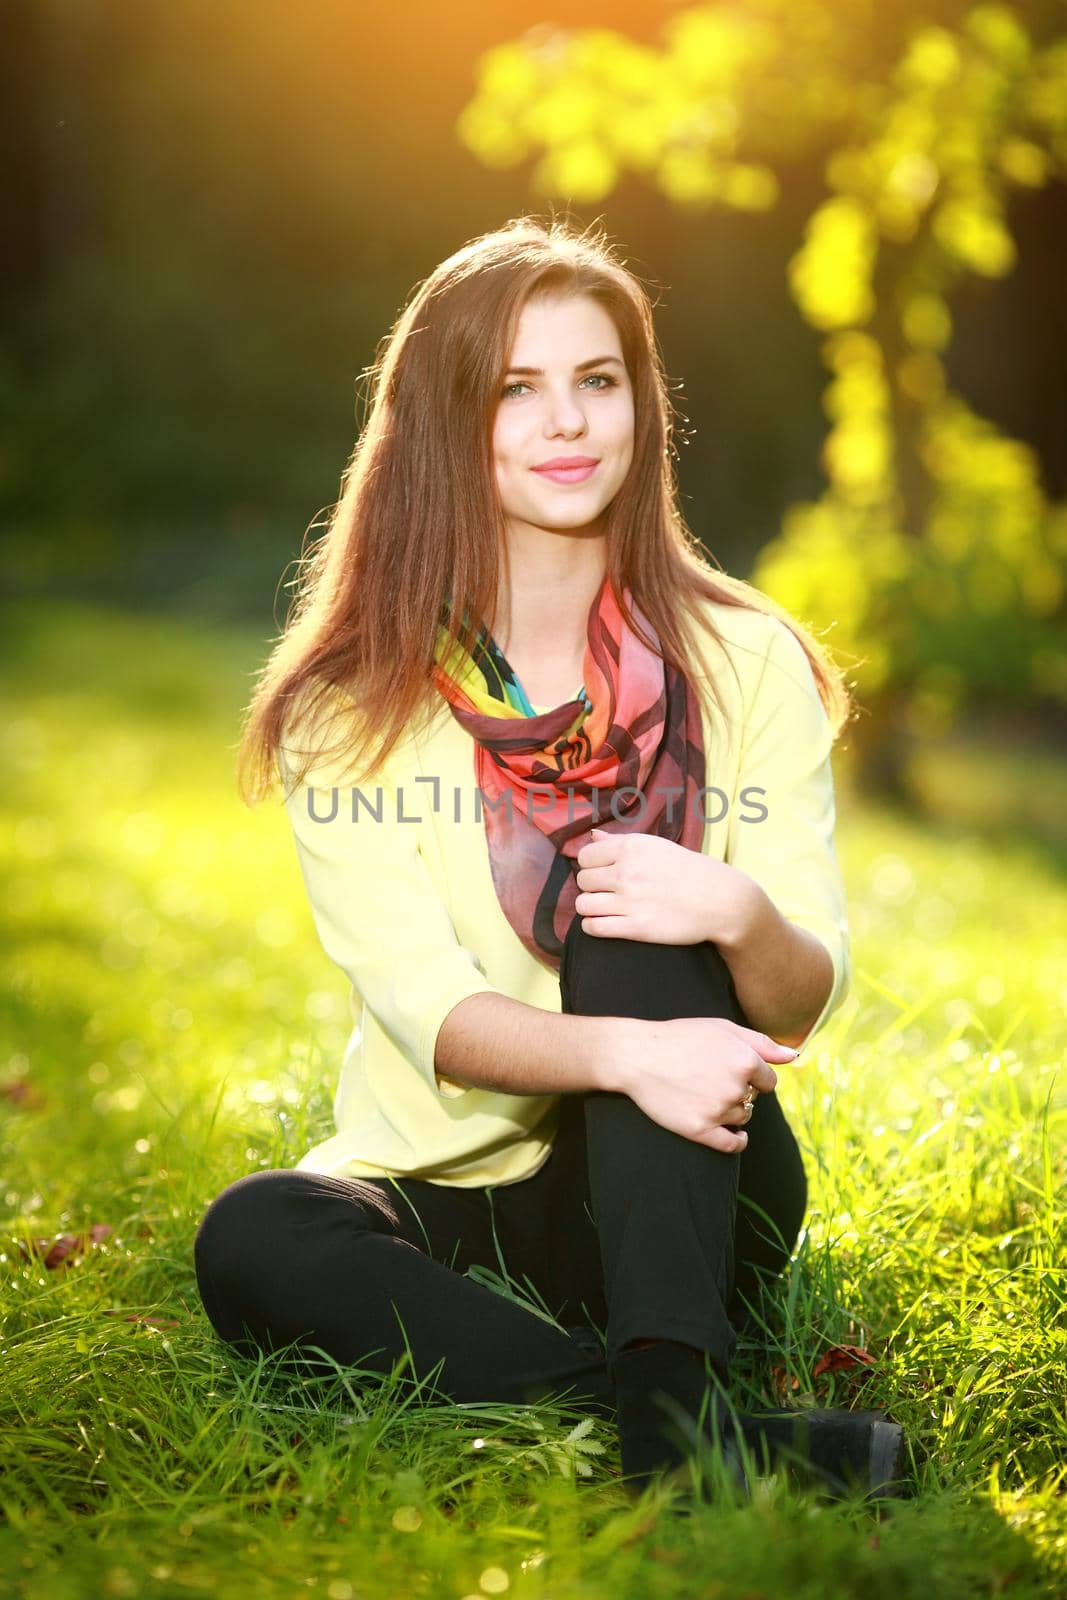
pixel 489 1041
pixel 782 974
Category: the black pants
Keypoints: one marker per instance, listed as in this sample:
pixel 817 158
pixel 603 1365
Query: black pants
pixel 628 1228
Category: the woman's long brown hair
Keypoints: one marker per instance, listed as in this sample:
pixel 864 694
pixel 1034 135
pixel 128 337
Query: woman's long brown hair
pixel 419 517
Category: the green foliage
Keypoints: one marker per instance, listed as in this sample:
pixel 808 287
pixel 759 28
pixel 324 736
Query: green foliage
pixel 934 552
pixel 173 1023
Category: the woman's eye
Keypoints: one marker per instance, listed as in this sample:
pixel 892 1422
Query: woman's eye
pixel 602 378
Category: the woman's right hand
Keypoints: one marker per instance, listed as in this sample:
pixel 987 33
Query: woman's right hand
pixel 691 1074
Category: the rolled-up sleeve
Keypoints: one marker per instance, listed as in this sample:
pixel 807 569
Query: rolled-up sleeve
pixel 376 910
pixel 785 770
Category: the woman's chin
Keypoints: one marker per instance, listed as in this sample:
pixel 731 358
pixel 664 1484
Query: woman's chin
pixel 572 519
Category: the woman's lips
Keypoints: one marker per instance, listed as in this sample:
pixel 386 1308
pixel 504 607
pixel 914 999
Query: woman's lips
pixel 567 474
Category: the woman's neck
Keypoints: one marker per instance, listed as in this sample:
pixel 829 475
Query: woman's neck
pixel 543 614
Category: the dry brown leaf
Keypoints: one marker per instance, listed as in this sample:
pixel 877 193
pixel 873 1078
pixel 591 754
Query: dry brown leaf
pixel 22 1094
pixel 842 1358
pixel 64 1249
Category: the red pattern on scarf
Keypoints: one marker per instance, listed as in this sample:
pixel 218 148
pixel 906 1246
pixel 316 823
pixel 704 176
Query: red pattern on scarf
pixel 644 733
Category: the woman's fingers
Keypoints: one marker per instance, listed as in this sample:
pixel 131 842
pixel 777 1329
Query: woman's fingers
pixel 722 1139
pixel 763 1078
pixel 763 1044
pixel 739 1114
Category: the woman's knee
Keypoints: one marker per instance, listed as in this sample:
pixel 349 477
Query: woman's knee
pixel 280 1254
pixel 257 1228
pixel 635 978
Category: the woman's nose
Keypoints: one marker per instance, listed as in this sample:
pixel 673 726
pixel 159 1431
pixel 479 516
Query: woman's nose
pixel 564 415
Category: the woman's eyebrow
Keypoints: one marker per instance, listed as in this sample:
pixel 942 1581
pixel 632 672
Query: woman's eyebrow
pixel 539 372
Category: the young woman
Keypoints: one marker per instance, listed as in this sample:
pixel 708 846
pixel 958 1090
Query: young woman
pixel 562 799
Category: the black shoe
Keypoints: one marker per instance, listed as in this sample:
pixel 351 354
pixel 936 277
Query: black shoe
pixel 665 1414
pixel 859 1449
pixel 838 1451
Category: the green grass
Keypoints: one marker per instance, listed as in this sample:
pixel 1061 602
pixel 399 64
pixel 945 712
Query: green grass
pixel 170 1022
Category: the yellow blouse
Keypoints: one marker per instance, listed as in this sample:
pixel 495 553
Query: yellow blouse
pixel 406 906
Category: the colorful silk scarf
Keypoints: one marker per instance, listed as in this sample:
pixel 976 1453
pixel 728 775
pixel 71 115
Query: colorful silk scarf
pixel 626 755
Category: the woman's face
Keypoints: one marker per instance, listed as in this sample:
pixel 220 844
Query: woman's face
pixel 574 402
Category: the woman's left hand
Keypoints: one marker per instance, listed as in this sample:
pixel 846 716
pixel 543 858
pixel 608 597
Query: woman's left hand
pixel 639 886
